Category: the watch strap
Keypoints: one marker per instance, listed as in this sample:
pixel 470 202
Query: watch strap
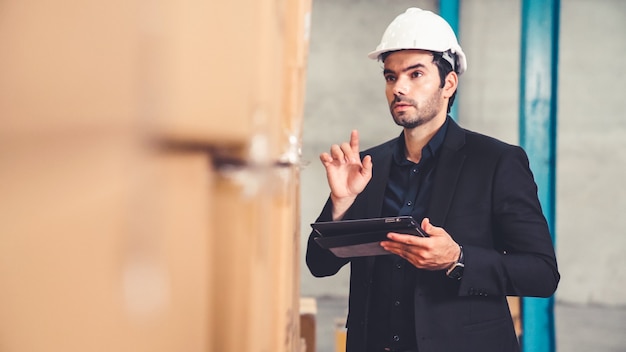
pixel 456 270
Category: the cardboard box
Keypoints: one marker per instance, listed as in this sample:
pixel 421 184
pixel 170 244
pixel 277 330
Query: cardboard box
pixel 104 247
pixel 256 261
pixel 516 314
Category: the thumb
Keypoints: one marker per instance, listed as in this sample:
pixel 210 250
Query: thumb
pixel 367 166
pixel 429 228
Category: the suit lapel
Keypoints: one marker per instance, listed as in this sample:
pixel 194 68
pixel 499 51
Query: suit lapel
pixel 376 193
pixel 447 173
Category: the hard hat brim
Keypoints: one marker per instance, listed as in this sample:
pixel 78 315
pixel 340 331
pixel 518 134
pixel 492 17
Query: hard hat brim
pixel 461 65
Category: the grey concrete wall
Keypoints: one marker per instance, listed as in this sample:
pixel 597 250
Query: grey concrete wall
pixel 591 195
pixel 345 90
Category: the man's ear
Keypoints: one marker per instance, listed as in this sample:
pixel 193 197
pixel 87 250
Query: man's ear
pixel 450 84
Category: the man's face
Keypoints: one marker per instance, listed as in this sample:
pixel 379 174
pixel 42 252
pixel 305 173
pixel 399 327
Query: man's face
pixel 413 88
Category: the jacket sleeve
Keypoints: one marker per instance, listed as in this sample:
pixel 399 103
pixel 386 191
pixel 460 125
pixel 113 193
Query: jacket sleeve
pixel 322 262
pixel 524 262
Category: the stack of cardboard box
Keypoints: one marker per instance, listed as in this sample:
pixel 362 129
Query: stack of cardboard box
pixel 149 163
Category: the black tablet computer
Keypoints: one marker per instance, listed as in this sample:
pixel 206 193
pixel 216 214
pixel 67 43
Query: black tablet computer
pixel 362 237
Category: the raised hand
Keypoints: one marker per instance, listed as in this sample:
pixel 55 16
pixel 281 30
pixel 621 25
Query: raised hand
pixel 347 175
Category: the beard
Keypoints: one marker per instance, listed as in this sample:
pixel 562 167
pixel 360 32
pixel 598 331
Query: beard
pixel 422 113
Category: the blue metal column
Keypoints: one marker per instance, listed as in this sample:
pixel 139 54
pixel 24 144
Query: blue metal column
pixel 538 100
pixel 449 10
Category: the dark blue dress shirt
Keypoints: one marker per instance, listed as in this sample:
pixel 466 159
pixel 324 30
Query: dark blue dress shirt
pixel 391 326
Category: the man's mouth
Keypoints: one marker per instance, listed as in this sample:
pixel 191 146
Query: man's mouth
pixel 401 106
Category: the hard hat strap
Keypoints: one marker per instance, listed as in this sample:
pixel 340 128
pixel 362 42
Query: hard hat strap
pixel 451 58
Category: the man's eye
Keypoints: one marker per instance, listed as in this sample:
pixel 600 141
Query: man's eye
pixel 416 74
pixel 390 78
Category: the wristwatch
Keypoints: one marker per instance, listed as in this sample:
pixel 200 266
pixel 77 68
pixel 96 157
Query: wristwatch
pixel 456 270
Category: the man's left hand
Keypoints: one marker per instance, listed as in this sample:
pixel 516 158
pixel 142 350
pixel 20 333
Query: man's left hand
pixel 437 252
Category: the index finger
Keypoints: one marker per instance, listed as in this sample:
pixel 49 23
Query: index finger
pixel 411 240
pixel 354 141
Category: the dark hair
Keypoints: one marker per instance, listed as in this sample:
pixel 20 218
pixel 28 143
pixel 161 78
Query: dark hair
pixel 443 66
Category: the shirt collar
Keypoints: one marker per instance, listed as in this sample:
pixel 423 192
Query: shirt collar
pixel 429 150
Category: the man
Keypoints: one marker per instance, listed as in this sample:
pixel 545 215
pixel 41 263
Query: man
pixel 474 195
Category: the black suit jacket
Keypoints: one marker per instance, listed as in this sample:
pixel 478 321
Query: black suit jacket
pixel 485 197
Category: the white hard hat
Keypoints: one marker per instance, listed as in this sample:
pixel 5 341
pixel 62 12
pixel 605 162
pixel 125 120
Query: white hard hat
pixel 420 29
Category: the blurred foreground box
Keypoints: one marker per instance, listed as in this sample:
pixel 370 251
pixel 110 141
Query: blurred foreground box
pixel 149 162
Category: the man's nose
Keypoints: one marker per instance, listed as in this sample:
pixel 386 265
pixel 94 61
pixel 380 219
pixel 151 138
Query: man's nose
pixel 400 87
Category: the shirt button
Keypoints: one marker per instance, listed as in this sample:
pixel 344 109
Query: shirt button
pixel 414 171
pixel 396 303
pixel 409 203
pixel 399 265
pixel 396 338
